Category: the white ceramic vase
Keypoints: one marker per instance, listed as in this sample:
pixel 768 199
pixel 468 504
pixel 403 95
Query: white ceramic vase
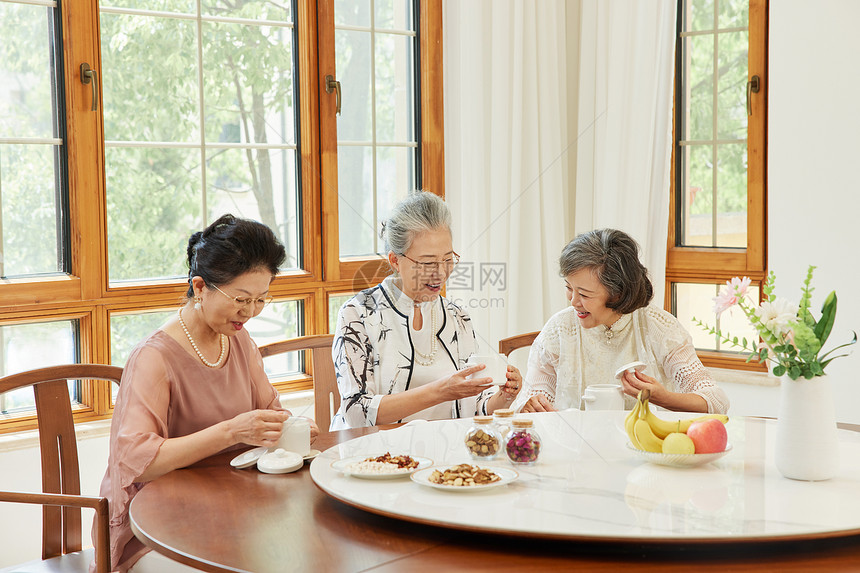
pixel 807 443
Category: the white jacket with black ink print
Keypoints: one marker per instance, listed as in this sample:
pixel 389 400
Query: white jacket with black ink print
pixel 374 355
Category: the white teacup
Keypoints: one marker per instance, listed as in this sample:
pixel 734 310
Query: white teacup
pixel 296 435
pixel 496 368
pixel 604 397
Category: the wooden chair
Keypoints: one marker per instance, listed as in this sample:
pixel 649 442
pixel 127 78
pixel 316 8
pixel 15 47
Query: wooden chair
pixel 508 345
pixel 61 483
pixel 326 393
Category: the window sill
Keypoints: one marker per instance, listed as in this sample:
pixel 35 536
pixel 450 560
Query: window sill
pixel 749 378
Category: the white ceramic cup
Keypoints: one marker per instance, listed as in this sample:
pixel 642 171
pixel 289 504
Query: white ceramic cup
pixel 296 435
pixel 496 367
pixel 604 397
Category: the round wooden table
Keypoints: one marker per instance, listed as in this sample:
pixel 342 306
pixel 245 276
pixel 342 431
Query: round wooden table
pixel 217 518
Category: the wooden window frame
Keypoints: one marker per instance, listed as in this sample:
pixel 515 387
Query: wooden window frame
pixel 86 293
pixel 717 265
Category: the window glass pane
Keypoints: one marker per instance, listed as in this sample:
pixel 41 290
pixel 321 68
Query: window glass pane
pixel 352 12
pixel 260 184
pixel 187 6
pixel 32 160
pixel 335 301
pixel 127 330
pixel 698 197
pixel 35 345
pixel 357 228
pixel 700 14
pixel 394 81
pixel 377 72
pixel 355 76
pixel 732 195
pixel 26 59
pixel 153 200
pixel 395 167
pixel 149 81
pixel 698 87
pixel 248 92
pixel 176 100
pixel 731 85
pixel 251 9
pixel 394 14
pixel 696 300
pixel 279 321
pixel 28 205
pixel 734 13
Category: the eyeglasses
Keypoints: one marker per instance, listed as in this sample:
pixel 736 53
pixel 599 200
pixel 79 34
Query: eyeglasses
pixel 243 302
pixel 446 264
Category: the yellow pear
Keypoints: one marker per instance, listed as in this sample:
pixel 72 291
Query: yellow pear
pixel 678 443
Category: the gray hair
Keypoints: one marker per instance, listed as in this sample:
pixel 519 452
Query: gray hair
pixel 419 212
pixel 614 256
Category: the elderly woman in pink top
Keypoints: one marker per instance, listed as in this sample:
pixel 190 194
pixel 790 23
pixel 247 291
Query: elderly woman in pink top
pixel 196 386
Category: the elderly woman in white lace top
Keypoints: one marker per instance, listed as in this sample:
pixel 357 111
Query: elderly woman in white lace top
pixel 610 324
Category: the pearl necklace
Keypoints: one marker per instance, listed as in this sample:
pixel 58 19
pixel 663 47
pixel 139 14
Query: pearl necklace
pixel 420 357
pixel 221 356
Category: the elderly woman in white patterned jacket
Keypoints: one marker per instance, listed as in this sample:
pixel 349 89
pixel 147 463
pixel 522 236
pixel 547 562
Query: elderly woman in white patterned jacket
pixel 609 325
pixel 400 349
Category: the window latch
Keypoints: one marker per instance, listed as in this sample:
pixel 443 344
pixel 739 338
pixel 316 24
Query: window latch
pixel 753 87
pixel 332 85
pixel 88 76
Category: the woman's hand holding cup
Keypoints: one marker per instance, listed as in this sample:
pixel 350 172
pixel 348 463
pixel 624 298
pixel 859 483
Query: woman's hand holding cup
pixel 460 385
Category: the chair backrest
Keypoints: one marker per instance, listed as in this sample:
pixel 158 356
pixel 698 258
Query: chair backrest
pixel 508 345
pixel 61 514
pixel 326 393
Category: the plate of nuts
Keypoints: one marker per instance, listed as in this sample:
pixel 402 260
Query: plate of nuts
pixel 464 477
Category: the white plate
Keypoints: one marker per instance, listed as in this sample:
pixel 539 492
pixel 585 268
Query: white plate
pixel 678 460
pixel 249 458
pixel 311 455
pixel 342 466
pixel 422 477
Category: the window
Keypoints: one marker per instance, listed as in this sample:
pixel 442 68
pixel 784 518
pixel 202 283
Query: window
pixel 717 225
pixel 198 108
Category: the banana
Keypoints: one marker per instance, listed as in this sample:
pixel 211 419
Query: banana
pixel 648 441
pixel 630 420
pixel 663 428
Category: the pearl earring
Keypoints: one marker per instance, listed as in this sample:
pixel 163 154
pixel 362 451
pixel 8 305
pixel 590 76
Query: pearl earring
pixel 197 305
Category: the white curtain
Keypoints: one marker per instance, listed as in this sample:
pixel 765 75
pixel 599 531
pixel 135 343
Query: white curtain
pixel 505 173
pixel 557 121
pixel 624 123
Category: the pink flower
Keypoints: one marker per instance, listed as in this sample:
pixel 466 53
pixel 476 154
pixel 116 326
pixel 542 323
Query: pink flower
pixel 739 286
pixel 729 296
pixel 725 300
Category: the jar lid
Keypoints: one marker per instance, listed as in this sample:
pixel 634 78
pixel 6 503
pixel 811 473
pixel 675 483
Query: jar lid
pixel 483 419
pixel 503 413
pixel 522 423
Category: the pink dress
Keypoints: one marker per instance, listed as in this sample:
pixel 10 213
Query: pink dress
pixel 166 393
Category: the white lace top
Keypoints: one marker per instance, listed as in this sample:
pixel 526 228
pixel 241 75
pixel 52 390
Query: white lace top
pixel 565 358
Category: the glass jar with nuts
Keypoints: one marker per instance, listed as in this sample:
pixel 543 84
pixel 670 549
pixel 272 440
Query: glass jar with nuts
pixel 482 438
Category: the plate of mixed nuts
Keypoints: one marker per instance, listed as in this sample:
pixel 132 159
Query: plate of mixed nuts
pixel 464 477
pixel 385 466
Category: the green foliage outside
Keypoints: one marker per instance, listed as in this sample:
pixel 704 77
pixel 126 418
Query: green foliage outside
pixel 731 121
pixel 28 206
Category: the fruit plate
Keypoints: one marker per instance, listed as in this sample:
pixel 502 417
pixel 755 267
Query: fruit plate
pixel 678 460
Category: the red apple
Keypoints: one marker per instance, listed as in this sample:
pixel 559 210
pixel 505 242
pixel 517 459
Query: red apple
pixel 709 436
